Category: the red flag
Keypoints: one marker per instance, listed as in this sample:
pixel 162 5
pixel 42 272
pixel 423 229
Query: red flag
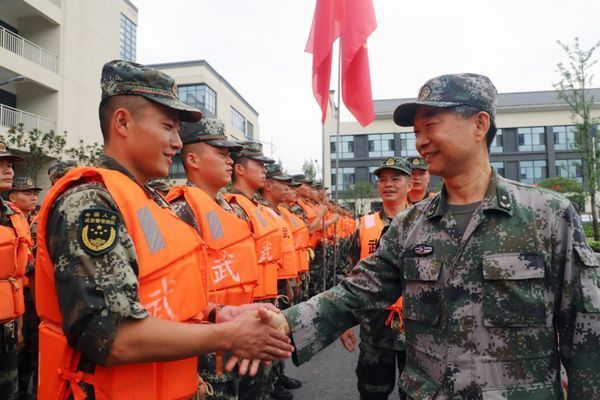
pixel 326 28
pixel 353 21
pixel 356 77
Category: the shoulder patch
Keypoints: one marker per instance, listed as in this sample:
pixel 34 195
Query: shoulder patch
pixel 98 230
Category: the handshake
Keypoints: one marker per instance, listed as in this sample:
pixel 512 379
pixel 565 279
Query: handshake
pixel 258 333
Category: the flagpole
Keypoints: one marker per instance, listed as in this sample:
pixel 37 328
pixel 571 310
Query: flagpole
pixel 337 158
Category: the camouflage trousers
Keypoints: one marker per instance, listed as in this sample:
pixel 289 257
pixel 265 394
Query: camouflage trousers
pixel 225 385
pixel 28 356
pixel 376 371
pixel 9 384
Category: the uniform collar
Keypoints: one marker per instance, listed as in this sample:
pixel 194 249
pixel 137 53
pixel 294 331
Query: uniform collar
pixel 497 197
pixel 5 208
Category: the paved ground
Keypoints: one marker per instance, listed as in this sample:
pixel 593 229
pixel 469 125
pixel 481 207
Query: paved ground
pixel 328 375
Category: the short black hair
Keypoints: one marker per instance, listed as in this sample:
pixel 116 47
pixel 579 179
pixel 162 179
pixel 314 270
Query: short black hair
pixel 468 111
pixel 108 106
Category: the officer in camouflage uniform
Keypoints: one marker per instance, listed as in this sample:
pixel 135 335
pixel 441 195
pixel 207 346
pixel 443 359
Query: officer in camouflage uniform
pixel 59 168
pixel 98 291
pixel 499 284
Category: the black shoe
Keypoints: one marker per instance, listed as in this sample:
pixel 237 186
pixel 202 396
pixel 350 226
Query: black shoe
pixel 281 393
pixel 289 383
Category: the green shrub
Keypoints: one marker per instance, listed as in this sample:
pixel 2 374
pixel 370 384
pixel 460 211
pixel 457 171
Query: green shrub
pixel 595 245
pixel 588 229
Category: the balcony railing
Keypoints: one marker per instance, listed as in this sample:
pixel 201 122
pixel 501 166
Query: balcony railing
pixel 10 117
pixel 31 51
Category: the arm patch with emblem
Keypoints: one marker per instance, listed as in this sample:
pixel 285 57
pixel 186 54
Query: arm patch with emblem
pixel 98 230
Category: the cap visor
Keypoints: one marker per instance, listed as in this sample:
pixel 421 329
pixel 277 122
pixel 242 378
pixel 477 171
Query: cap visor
pixel 186 113
pixel 404 114
pixel 263 159
pixel 231 145
pixel 12 157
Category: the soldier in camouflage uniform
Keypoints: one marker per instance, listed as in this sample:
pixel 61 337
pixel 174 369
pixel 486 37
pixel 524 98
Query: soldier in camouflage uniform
pixel 24 195
pixel 103 317
pixel 499 284
pixel 208 165
pixel 59 168
pixel 161 186
pixel 419 180
pixel 379 351
pixel 11 338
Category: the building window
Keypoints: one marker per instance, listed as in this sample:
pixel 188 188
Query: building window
pixel 497 145
pixel 572 169
pixel 249 130
pixel 176 170
pixel 498 166
pixel 200 96
pixel 532 139
pixel 532 171
pixel 346 149
pixel 238 121
pixel 348 179
pixel 128 39
pixel 408 145
pixel 372 176
pixel 381 145
pixel 564 137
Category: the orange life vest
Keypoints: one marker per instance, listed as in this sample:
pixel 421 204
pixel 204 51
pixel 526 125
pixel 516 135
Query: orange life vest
pixel 15 246
pixel 369 232
pixel 172 282
pixel 231 253
pixel 267 241
pixel 288 263
pixel 311 214
pixel 301 238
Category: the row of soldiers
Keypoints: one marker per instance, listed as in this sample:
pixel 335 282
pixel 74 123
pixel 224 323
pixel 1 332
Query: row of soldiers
pixel 263 237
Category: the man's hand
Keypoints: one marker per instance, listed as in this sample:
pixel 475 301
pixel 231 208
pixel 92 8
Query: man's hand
pixel 228 313
pixel 348 340
pixel 259 335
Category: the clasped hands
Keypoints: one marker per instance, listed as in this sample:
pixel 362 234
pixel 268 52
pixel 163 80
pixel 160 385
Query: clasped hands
pixel 260 333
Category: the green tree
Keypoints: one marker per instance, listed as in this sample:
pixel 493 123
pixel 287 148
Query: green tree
pixel 309 169
pixel 570 188
pixel 86 154
pixel 36 147
pixel 575 77
pixel 359 194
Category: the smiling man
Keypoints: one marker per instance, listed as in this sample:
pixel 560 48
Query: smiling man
pixel 379 353
pixel 499 284
pixel 120 280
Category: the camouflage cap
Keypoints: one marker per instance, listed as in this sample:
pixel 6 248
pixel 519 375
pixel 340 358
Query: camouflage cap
pixel 417 163
pixel 209 130
pixel 397 163
pixel 160 185
pixel 450 91
pixel 120 77
pixel 252 150
pixel 22 184
pixel 4 153
pixel 275 171
pixel 59 167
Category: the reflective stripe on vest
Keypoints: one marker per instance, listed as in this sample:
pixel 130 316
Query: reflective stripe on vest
pixel 172 282
pixel 370 230
pixel 15 246
pixel 301 238
pixel 288 264
pixel 232 256
pixel 267 241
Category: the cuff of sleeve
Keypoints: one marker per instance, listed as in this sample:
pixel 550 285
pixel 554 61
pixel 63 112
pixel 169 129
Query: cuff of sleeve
pixel 305 336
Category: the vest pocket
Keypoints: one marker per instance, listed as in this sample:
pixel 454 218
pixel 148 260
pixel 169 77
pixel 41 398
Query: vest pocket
pixel 421 292
pixel 590 279
pixel 513 289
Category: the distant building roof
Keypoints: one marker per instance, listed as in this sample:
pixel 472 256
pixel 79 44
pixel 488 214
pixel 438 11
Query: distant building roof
pixel 507 102
pixel 196 63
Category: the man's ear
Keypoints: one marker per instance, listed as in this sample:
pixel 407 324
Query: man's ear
pixel 239 169
pixel 482 124
pixel 121 120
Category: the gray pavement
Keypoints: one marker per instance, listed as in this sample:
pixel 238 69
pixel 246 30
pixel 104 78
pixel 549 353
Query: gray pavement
pixel 328 375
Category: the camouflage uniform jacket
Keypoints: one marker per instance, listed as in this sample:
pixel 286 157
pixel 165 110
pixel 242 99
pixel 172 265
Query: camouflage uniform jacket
pixel 483 312
pixel 95 292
